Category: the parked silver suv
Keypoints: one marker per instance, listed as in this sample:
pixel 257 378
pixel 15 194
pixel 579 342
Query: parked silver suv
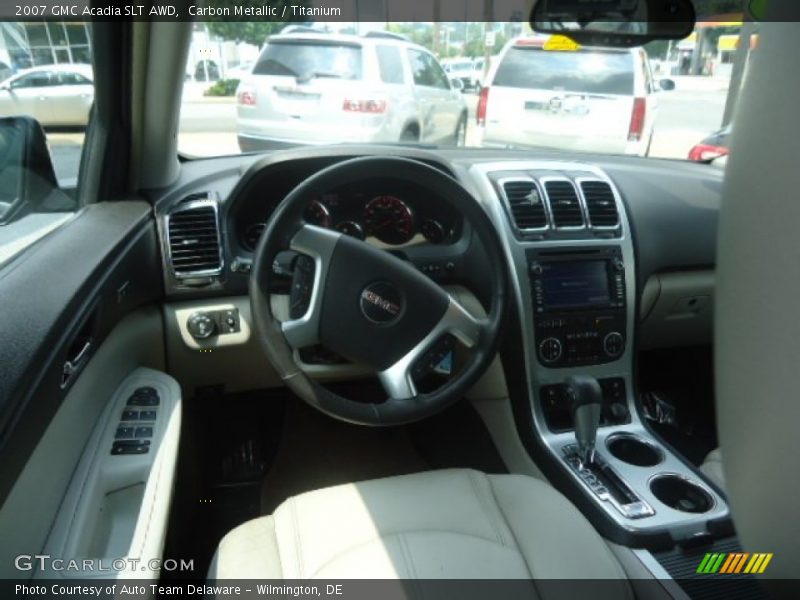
pixel 318 88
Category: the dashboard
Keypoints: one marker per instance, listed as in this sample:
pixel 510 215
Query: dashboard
pixel 671 206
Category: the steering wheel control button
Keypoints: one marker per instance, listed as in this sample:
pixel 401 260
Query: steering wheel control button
pixel 381 303
pixel 433 356
pixel 302 286
pixel 201 326
pixel 613 344
pixel 550 350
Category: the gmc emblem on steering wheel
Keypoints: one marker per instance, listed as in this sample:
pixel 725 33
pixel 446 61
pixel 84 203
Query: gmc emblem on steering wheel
pixel 381 302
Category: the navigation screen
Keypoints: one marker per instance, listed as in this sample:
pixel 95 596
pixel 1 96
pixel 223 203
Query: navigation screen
pixel 575 284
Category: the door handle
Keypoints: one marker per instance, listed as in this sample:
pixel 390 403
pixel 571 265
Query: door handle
pixel 74 364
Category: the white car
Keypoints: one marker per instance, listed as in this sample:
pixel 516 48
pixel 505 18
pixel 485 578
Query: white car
pixel 548 91
pixel 462 69
pixel 55 95
pixel 318 88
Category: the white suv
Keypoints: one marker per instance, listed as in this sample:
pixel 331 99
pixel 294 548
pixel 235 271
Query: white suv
pixel 550 92
pixel 318 88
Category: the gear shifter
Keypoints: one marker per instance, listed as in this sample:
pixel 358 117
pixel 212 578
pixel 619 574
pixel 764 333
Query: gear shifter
pixel 587 401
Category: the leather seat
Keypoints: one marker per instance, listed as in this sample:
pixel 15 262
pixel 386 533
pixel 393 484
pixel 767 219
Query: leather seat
pixel 712 468
pixel 438 524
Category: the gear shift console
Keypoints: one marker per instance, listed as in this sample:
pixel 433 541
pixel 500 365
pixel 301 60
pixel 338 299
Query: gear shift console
pixel 586 397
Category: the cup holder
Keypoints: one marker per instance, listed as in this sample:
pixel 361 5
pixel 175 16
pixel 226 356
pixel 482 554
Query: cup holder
pixel 681 494
pixel 634 450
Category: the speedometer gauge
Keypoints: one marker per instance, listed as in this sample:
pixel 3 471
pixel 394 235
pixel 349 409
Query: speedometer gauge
pixel 351 228
pixel 433 231
pixel 389 219
pixel 318 214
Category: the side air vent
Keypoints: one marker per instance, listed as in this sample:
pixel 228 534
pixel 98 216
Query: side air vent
pixel 564 204
pixel 193 238
pixel 600 204
pixel 524 204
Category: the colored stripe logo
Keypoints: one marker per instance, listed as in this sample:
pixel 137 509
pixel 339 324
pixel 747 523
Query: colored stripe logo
pixel 734 563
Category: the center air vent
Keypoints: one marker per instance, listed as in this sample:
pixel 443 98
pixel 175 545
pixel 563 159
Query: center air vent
pixel 564 204
pixel 193 237
pixel 525 204
pixel 600 204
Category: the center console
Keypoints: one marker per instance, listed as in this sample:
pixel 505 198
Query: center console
pixel 579 307
pixel 568 238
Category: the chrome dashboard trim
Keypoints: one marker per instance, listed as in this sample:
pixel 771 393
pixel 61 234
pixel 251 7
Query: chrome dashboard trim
pixel 679 524
pixel 192 205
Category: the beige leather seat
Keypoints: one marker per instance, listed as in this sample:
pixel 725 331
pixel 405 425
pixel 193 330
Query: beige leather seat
pixel 712 468
pixel 437 524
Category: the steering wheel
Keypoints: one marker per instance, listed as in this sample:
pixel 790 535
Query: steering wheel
pixel 370 306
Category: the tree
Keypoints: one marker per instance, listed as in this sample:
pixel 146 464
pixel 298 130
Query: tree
pixel 419 33
pixel 257 30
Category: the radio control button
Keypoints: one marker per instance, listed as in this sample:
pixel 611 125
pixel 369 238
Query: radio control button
pixel 550 350
pixel 613 344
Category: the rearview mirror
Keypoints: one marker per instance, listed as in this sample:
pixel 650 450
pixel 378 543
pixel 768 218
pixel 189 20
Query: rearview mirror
pixel 457 84
pixel 620 23
pixel 27 179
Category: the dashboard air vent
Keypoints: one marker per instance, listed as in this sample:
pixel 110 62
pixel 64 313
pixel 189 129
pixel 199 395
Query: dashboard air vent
pixel 193 238
pixel 525 204
pixel 564 204
pixel 600 204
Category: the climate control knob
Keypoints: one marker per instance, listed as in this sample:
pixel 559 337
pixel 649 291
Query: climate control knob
pixel 613 344
pixel 201 326
pixel 550 350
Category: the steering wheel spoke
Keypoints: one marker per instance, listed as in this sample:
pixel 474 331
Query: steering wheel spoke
pixel 317 244
pixel 398 379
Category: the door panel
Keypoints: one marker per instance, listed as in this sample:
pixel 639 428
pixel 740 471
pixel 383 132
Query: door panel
pixel 136 341
pixel 70 288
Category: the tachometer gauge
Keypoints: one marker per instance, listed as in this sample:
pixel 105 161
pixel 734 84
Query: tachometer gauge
pixel 317 214
pixel 433 231
pixel 389 219
pixel 351 228
pixel 252 234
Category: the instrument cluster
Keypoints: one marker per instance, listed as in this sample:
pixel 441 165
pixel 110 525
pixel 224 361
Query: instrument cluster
pixel 391 219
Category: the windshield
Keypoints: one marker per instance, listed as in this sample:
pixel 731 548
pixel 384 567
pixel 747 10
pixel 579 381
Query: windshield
pixel 475 84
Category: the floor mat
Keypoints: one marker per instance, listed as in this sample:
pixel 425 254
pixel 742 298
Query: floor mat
pixel 227 443
pixel 317 451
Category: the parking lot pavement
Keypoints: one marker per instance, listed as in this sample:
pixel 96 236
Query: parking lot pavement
pixel 208 125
